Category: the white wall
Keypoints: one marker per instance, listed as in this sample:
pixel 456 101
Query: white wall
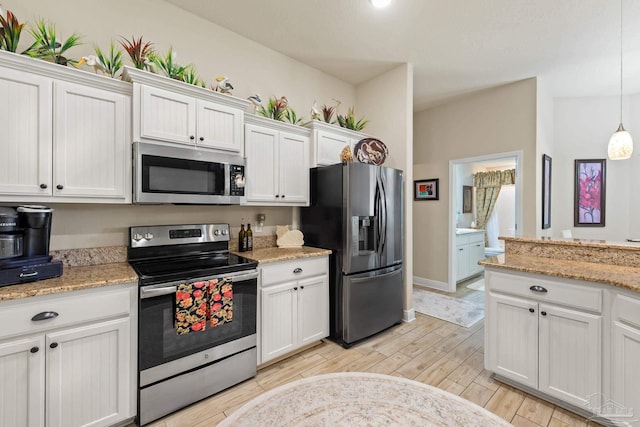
pixel 214 51
pixel 582 128
pixel 544 145
pixel 506 209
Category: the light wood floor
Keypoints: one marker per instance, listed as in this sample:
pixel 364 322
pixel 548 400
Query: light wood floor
pixel 429 350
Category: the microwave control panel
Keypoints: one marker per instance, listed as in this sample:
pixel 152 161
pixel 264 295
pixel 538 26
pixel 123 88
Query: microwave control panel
pixel 237 180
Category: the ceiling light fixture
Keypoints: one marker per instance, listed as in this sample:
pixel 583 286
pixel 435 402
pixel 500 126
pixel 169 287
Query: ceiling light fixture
pixel 380 3
pixel 620 144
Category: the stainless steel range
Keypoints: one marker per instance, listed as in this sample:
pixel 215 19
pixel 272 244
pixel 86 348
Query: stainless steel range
pixel 179 365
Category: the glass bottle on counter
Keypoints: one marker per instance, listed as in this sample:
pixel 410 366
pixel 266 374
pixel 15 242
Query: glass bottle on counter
pixel 242 239
pixel 249 237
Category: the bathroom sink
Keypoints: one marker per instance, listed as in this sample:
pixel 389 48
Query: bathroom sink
pixel 467 230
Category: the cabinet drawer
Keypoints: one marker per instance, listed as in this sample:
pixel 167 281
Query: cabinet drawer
pixel 15 317
pixel 627 309
pixel 557 292
pixel 462 239
pixel 476 238
pixel 286 271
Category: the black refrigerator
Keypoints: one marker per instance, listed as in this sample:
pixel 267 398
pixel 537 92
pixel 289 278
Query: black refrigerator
pixel 356 210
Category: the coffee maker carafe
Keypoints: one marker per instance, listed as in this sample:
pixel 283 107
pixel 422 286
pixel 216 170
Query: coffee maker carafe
pixel 36 223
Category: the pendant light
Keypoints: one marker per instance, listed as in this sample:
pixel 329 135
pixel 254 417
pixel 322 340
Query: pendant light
pixel 620 144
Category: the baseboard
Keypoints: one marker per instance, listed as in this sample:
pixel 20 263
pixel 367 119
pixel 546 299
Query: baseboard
pixel 409 315
pixel 434 284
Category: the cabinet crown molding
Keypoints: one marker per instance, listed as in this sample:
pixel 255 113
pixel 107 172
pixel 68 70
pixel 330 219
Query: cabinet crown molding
pixel 253 119
pixel 335 129
pixel 55 71
pixel 144 77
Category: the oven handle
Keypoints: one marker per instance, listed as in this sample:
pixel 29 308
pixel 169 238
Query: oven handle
pixel 171 288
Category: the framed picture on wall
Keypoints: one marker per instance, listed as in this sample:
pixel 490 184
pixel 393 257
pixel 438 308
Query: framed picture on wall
pixel 589 192
pixel 467 199
pixel 426 189
pixel 546 192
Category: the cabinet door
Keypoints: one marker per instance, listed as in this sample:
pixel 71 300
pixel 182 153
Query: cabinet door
pixel 328 147
pixel 512 339
pixel 462 262
pixel 625 382
pixel 219 127
pixel 91 142
pixel 167 116
pixel 294 169
pixel 88 374
pixel 279 325
pixel 313 309
pixel 22 386
pixel 570 354
pixel 26 127
pixel 476 253
pixel 262 164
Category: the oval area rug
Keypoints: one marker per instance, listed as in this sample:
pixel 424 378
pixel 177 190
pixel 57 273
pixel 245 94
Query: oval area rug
pixel 359 399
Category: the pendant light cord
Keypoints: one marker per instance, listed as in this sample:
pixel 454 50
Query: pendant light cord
pixel 621 4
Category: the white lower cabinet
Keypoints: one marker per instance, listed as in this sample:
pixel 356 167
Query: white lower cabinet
pixel 545 335
pixel 625 375
pixel 294 305
pixel 75 368
pixel 469 250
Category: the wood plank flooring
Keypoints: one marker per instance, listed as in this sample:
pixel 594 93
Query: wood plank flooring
pixel 429 350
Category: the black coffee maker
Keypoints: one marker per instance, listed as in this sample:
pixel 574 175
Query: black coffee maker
pixel 36 225
pixel 33 230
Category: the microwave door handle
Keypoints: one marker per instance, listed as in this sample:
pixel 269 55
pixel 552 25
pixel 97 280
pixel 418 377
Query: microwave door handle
pixel 227 179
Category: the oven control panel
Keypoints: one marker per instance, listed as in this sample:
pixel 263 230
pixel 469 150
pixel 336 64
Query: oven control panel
pixel 161 235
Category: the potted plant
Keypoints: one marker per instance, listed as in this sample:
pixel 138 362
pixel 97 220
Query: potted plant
pixel 138 52
pixel 10 29
pixel 112 62
pixel 168 64
pixel 275 109
pixel 47 46
pixel 348 121
pixel 291 116
pixel 191 76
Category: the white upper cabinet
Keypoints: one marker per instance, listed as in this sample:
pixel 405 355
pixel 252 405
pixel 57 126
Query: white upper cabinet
pixel 68 134
pixel 277 163
pixel 174 112
pixel 328 141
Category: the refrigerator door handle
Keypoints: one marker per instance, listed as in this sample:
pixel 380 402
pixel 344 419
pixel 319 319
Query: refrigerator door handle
pixel 382 201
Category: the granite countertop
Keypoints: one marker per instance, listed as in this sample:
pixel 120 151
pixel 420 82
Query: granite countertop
pixel 276 254
pixel 585 243
pixel 73 279
pixel 615 275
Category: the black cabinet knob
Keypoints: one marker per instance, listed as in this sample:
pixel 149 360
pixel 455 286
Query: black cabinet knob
pixel 531 310
pixel 544 313
pixel 59 186
pixel 301 287
pixel 295 288
pixel 282 196
pixel 34 349
pixel 202 138
pixel 192 137
pixel 43 186
pixel 53 345
pixel 277 196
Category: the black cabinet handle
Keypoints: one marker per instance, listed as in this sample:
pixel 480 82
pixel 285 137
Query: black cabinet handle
pixel 34 349
pixel 461 249
pixel 544 313
pixel 59 186
pixel 192 137
pixel 277 196
pixel 53 345
pixel 537 288
pixel 531 310
pixel 202 138
pixel 283 196
pixel 301 287
pixel 45 315
pixel 295 288
pixel 297 270
pixel 43 186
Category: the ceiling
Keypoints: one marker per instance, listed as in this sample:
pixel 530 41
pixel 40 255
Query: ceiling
pixel 455 46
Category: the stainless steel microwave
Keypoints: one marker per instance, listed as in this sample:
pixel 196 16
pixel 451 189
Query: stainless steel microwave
pixel 166 174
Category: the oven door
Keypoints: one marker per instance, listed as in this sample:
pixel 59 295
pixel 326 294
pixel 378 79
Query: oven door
pixel 166 174
pixel 163 353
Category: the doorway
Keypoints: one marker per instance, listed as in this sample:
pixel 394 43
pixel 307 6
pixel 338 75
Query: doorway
pixel 508 207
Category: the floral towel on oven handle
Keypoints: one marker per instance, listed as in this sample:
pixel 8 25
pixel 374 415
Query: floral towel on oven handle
pixel 220 301
pixel 191 307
